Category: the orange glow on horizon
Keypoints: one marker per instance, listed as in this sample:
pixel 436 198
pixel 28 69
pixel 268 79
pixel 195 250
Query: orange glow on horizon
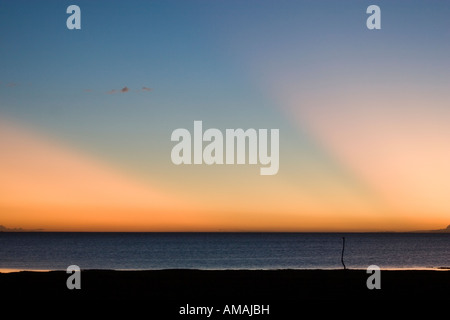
pixel 47 186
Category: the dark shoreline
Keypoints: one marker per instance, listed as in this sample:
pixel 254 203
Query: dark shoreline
pixel 226 286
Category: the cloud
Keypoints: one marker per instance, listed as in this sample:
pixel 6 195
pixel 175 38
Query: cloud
pixel 15 84
pixel 88 90
pixel 125 90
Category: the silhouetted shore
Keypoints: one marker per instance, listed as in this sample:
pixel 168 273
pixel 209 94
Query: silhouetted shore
pixel 228 286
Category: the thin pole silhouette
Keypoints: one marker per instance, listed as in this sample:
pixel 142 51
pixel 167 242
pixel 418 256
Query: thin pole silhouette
pixel 342 254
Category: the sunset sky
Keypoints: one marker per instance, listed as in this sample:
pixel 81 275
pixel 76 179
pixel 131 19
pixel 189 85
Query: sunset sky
pixel 86 115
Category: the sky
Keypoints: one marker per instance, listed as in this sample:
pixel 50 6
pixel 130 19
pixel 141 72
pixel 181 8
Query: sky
pixel 86 116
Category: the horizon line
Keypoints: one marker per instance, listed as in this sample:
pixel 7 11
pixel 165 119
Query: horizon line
pixel 221 231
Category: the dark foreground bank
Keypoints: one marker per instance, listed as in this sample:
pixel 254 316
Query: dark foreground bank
pixel 220 287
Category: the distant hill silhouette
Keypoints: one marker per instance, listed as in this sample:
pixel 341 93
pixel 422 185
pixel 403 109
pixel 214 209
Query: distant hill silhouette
pixel 5 229
pixel 446 230
pixel 442 230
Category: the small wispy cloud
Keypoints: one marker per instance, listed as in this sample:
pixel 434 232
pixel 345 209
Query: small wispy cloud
pixel 15 84
pixel 125 90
